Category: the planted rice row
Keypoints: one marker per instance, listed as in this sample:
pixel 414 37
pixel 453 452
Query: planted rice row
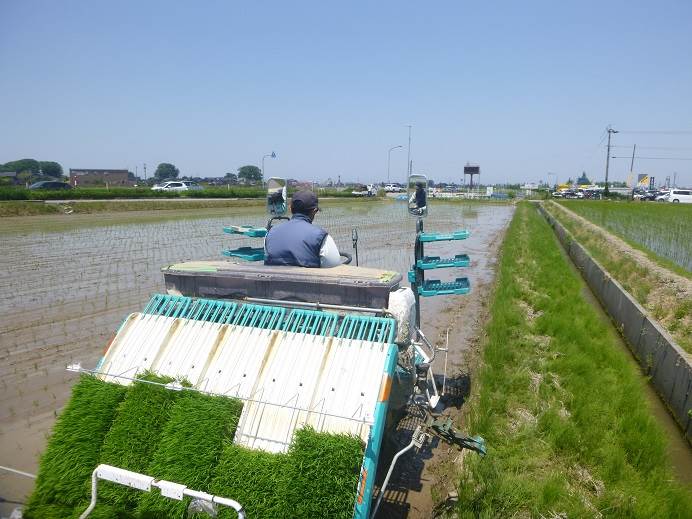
pixel 661 229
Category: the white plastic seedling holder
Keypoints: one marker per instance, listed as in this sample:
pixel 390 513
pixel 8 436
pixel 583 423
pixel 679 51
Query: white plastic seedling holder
pixel 138 481
pixel 433 396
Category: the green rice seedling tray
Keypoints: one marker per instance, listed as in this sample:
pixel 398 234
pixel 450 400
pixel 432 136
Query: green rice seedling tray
pixel 41 511
pixel 435 287
pixel 436 262
pixel 254 478
pixel 246 253
pixel 318 477
pixel 74 448
pixel 190 448
pixel 135 435
pixel 321 475
pixel 433 236
pixel 246 230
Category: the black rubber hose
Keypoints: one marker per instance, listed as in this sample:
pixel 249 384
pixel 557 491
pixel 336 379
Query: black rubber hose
pixel 347 256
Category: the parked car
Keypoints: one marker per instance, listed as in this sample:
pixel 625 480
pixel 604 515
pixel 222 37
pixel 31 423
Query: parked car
pixel 592 194
pixel 50 184
pixel 177 185
pixel 363 190
pixel 639 193
pixel 680 196
pixel 393 188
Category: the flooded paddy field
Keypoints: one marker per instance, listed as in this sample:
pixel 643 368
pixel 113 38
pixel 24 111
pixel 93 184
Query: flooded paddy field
pixel 66 282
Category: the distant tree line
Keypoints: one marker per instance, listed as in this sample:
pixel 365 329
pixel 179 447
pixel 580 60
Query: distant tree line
pixel 166 171
pixel 245 174
pixel 29 170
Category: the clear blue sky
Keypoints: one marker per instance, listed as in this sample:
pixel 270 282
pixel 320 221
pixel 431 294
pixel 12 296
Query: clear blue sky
pixel 522 88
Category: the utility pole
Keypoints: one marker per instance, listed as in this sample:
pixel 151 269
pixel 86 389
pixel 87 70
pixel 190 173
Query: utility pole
pixel 634 149
pixel 610 132
pixel 631 176
pixel 145 172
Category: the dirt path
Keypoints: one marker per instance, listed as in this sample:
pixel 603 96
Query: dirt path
pixel 422 480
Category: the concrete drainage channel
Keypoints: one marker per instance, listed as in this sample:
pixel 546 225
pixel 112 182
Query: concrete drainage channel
pixel 662 359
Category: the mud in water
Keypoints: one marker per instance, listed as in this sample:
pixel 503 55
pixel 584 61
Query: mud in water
pixel 65 288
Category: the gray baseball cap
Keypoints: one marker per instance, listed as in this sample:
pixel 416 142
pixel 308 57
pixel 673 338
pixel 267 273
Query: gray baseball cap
pixel 303 202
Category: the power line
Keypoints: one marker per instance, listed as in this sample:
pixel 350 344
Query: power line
pixel 656 158
pixel 667 148
pixel 661 132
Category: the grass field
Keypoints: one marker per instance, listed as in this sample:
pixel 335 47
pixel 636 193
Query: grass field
pixel 560 404
pixel 660 229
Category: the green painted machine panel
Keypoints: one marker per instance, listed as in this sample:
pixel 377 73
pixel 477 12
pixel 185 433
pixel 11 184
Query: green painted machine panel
pixel 426 237
pixel 436 262
pixel 246 253
pixel 246 230
pixel 435 287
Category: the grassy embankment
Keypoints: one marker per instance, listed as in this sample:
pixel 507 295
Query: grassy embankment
pixel 661 230
pixel 14 208
pixel 653 292
pixel 103 193
pixel 38 207
pixel 561 406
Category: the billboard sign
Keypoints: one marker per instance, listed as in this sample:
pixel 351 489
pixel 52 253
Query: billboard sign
pixel 472 170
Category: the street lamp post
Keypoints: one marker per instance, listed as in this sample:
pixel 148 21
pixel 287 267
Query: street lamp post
pixel 408 159
pixel 389 159
pixel 272 155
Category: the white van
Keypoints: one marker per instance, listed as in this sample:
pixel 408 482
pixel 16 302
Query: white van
pixel 680 195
